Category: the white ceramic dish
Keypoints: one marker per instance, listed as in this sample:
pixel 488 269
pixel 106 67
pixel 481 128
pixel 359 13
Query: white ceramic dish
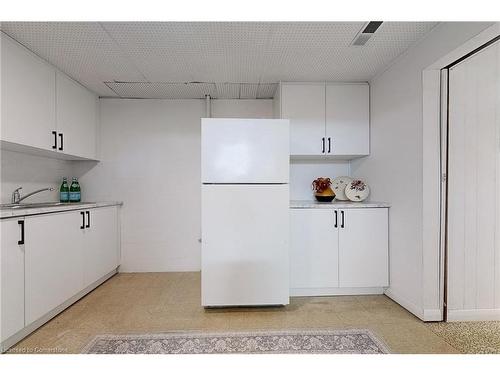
pixel 357 191
pixel 339 185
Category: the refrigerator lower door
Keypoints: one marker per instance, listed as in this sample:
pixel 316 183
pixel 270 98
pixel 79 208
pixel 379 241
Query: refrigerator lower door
pixel 244 253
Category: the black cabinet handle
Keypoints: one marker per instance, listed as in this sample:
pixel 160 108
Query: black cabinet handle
pixel 88 219
pixel 323 151
pixel 21 241
pixel 336 219
pixel 342 224
pixel 54 146
pixel 61 146
pixel 329 145
pixel 83 219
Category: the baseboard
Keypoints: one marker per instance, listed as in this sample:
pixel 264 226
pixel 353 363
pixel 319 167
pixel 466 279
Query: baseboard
pixel 473 315
pixel 14 339
pixel 410 306
pixel 433 315
pixel 312 292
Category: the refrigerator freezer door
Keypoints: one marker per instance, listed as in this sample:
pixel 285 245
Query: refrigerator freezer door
pixel 243 151
pixel 244 253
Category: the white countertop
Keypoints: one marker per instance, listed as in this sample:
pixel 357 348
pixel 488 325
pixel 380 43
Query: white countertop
pixel 28 211
pixel 337 204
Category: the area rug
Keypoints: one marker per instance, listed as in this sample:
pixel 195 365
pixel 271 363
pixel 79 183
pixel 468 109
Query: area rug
pixel 294 342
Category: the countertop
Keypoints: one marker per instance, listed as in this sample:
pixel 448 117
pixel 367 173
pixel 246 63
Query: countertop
pixel 6 213
pixel 337 204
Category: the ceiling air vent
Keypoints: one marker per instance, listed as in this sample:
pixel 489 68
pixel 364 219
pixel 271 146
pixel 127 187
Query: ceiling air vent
pixel 366 33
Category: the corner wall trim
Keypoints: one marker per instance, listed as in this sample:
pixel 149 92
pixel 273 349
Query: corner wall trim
pixel 433 315
pixel 410 306
pixel 473 315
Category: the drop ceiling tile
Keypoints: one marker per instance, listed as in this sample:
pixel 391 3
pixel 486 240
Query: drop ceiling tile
pixel 162 90
pixel 227 90
pixel 248 90
pixel 83 50
pixel 233 56
pixel 266 90
pixel 194 51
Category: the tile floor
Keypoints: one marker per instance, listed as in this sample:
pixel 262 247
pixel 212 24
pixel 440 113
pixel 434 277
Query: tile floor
pixel 160 302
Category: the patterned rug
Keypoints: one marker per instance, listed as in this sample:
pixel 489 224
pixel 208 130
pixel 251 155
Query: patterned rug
pixel 307 342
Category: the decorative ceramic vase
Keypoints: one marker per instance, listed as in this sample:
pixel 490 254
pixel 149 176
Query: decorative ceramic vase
pixel 322 190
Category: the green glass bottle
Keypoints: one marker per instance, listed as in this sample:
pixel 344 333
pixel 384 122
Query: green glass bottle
pixel 74 191
pixel 64 191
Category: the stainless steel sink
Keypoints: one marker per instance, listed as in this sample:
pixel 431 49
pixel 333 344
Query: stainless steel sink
pixel 16 206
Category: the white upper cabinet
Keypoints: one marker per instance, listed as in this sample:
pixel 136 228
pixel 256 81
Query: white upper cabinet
pixel 76 118
pixel 326 120
pixel 28 97
pixel 347 119
pixel 304 106
pixel 44 111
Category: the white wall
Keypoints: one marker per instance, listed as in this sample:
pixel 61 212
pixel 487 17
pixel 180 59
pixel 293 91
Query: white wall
pixel 394 167
pixel 32 173
pixel 150 160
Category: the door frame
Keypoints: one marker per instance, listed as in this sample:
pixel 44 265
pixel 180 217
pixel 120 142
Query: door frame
pixel 434 169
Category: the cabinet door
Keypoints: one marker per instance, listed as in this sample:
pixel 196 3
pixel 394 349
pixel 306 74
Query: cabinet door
pixel 100 249
pixel 76 117
pixel 363 247
pixel 347 119
pixel 28 97
pixel 313 249
pixel 54 271
pixel 304 106
pixel 12 277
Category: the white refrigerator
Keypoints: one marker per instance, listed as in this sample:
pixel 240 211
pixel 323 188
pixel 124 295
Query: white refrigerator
pixel 245 212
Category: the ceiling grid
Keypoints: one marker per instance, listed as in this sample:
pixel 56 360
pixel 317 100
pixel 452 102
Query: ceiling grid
pixel 222 59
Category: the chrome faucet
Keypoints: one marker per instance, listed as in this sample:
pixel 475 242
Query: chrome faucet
pixel 16 196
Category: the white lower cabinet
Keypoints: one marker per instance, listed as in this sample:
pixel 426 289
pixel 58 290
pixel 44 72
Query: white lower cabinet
pixel 50 260
pixel 313 249
pixel 338 251
pixel 54 271
pixel 101 251
pixel 12 277
pixel 363 248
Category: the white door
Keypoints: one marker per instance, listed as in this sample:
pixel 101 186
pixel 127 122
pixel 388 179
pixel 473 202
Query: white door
pixel 347 119
pixel 474 187
pixel 244 151
pixel 314 249
pixel 363 247
pixel 76 118
pixel 12 277
pixel 28 97
pixel 100 247
pixel 54 271
pixel 244 252
pixel 304 105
